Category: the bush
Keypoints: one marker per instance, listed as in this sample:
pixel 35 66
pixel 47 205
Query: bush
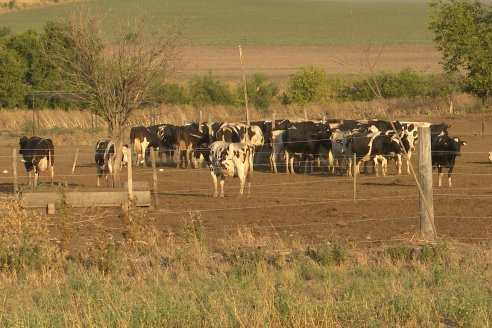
pixel 261 94
pixel 309 85
pixel 172 93
pixel 207 89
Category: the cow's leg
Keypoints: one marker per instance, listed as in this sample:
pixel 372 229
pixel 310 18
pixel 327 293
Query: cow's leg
pixel 398 163
pixel 272 166
pixel 292 165
pixel 222 179
pixel 450 172
pixel 286 154
pixel 439 170
pixel 409 156
pixel 52 172
pixel 98 176
pixel 36 176
pixel 214 178
pixel 384 165
pixel 241 183
pixel 251 160
pixel 376 162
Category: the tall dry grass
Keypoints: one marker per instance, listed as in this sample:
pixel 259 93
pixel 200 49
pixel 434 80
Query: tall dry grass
pixel 47 119
pixel 249 279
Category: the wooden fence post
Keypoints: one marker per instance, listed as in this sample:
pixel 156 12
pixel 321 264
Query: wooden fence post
pixel 14 170
pixel 154 178
pixel 75 160
pixel 426 202
pixel 130 176
pixel 305 115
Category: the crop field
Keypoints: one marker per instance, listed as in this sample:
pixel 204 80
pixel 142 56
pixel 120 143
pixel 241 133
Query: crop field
pixel 260 22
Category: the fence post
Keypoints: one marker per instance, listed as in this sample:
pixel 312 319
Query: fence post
pixel 154 178
pixel 426 202
pixel 75 160
pixel 305 114
pixel 130 176
pixel 14 170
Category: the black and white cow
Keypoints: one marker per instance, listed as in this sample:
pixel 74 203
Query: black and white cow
pixel 230 159
pixel 444 150
pixel 305 143
pixel 142 137
pixel 191 138
pixel 167 138
pixel 388 146
pixel 375 146
pixel 38 156
pixel 105 157
pixel 338 153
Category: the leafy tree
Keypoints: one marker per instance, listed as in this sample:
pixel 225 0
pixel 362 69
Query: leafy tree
pixel 12 72
pixel 113 80
pixel 309 85
pixel 463 33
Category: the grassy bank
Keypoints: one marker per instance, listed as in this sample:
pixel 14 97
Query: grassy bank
pixel 153 279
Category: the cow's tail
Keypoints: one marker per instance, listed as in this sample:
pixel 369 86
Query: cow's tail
pixel 50 165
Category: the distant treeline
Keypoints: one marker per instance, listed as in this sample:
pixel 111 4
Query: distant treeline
pixel 24 71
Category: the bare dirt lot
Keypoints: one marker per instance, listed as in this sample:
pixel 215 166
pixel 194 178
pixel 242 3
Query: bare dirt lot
pixel 315 207
pixel 277 62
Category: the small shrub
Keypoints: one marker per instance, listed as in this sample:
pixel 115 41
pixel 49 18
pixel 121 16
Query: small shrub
pixel 208 89
pixel 173 94
pixel 261 94
pixel 309 85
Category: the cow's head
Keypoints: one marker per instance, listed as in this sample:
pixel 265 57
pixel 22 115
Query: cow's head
pixel 22 144
pixel 456 145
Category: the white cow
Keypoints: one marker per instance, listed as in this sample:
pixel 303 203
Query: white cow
pixel 230 159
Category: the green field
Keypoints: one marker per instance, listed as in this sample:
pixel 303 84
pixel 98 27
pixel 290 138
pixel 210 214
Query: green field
pixel 263 22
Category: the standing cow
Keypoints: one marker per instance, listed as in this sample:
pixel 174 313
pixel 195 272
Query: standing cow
pixel 38 156
pixel 230 159
pixel 444 150
pixel 105 157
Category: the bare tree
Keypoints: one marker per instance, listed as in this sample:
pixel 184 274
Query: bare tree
pixel 114 78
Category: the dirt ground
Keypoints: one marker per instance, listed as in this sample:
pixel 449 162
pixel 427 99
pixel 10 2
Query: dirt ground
pixel 315 207
pixel 277 62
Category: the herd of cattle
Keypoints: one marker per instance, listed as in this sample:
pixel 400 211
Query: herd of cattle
pixel 229 148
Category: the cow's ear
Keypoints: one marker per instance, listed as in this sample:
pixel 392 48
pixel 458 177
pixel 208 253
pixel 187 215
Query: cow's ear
pixel 464 143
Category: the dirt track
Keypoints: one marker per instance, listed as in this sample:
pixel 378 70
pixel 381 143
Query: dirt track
pixel 315 207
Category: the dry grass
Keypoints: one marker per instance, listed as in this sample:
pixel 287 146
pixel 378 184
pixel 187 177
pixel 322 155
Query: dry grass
pixel 248 279
pixel 75 126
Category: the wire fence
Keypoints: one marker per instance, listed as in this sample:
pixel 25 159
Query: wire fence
pixel 283 201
